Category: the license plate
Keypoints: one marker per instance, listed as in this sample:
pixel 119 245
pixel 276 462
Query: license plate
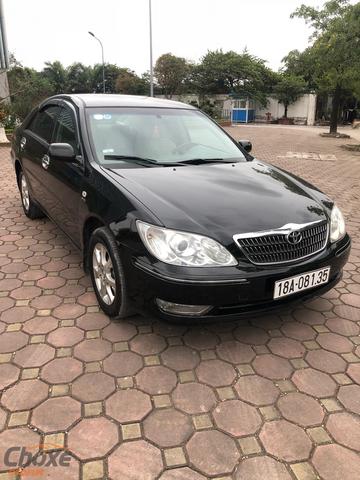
pixel 292 285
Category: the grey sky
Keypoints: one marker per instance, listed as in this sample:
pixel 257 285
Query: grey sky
pixel 47 30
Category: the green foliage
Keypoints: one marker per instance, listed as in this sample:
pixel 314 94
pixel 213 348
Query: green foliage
pixel 171 73
pixel 111 73
pixel 335 51
pixel 242 75
pixel 289 88
pixel 27 89
pixel 78 79
pixel 56 75
pixel 129 83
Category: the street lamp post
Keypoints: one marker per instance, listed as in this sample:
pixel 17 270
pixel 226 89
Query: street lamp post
pixel 151 54
pixel 102 57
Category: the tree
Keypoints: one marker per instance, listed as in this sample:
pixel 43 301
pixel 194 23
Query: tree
pixel 111 73
pixel 79 78
pixel 335 50
pixel 56 74
pixel 130 83
pixel 27 89
pixel 289 89
pixel 171 72
pixel 233 73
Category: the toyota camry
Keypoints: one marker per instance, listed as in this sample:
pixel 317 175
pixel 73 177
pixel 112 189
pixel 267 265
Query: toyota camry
pixel 172 215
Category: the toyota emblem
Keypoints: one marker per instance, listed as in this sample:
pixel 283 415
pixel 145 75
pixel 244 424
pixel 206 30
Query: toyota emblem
pixel 294 237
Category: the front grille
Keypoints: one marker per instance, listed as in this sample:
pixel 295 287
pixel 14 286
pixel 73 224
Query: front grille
pixel 273 247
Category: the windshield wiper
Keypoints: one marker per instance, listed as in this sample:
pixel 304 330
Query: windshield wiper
pixel 200 161
pixel 142 160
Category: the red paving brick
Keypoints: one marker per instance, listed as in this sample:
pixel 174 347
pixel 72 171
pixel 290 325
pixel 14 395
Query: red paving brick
pixel 191 392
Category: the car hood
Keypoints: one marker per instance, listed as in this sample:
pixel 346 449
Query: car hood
pixel 221 200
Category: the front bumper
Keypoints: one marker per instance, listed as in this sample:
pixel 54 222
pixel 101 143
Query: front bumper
pixel 245 291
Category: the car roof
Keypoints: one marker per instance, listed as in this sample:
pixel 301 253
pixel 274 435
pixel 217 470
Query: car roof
pixel 116 100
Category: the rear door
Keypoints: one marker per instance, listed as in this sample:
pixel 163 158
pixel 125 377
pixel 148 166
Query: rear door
pixel 34 146
pixel 65 178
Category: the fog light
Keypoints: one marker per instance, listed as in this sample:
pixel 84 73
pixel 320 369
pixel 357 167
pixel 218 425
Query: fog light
pixel 179 309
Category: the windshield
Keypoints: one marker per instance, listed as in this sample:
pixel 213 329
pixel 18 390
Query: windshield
pixel 123 136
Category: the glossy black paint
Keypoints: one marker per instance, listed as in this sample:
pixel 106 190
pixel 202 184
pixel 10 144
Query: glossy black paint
pixel 216 200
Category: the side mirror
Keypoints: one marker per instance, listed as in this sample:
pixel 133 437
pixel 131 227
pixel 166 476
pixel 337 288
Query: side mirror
pixel 246 145
pixel 61 151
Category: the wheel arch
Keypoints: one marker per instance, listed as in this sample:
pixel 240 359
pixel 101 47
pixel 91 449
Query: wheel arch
pixel 90 225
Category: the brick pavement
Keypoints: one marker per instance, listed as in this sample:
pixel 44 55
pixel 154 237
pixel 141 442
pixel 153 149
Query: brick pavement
pixel 276 397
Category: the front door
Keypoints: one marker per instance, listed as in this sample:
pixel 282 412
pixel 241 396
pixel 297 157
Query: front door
pixel 66 177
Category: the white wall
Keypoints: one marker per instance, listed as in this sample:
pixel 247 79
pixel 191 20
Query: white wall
pixel 303 110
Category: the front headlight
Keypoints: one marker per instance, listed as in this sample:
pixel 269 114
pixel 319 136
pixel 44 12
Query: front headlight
pixel 181 248
pixel 337 225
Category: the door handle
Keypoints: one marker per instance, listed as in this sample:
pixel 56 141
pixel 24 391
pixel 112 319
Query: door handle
pixel 45 161
pixel 22 143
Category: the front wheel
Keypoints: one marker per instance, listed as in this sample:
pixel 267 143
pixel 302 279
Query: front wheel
pixel 107 274
pixel 31 210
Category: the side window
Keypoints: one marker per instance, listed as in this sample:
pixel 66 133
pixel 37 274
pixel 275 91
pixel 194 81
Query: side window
pixel 66 131
pixel 44 122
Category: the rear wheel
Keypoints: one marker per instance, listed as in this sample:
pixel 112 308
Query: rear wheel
pixel 107 274
pixel 31 210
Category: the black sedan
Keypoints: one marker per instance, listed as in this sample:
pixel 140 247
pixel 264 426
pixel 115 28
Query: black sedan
pixel 172 215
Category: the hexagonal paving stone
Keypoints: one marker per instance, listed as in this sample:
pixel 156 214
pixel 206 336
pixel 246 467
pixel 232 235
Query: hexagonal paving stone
pixel 156 380
pixel 213 452
pixel 261 468
pixel 183 473
pixel 193 398
pixel 216 373
pixel 343 327
pixel 180 358
pixel 8 374
pixel 19 437
pixel 121 364
pixel 119 331
pixel 235 352
pixel 298 331
pixel 148 344
pixel 92 387
pixel 200 339
pixel 93 437
pixel 2 418
pixel 285 441
pixel 68 310
pixel 328 362
pixel 65 336
pixel 346 311
pixel 40 325
pixel 345 428
pixel 349 396
pixel 334 342
pixel 46 302
pixel 25 395
pixel 167 427
pixel 309 317
pixel 237 418
pixel 124 461
pixel 17 314
pixel 354 372
pixel 315 383
pixel 272 366
pixel 286 347
pixel 93 321
pixel 12 341
pixel 334 462
pixel 302 409
pixel 34 355
pixel 256 390
pixel 62 370
pixel 56 414
pixel 251 335
pixel 92 350
pixel 128 405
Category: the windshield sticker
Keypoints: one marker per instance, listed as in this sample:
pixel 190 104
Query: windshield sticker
pixel 98 116
pixel 108 150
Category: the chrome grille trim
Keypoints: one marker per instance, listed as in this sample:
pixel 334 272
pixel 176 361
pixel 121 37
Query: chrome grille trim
pixel 276 250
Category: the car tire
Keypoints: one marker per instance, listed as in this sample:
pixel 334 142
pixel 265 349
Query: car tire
pixel 31 210
pixel 107 274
